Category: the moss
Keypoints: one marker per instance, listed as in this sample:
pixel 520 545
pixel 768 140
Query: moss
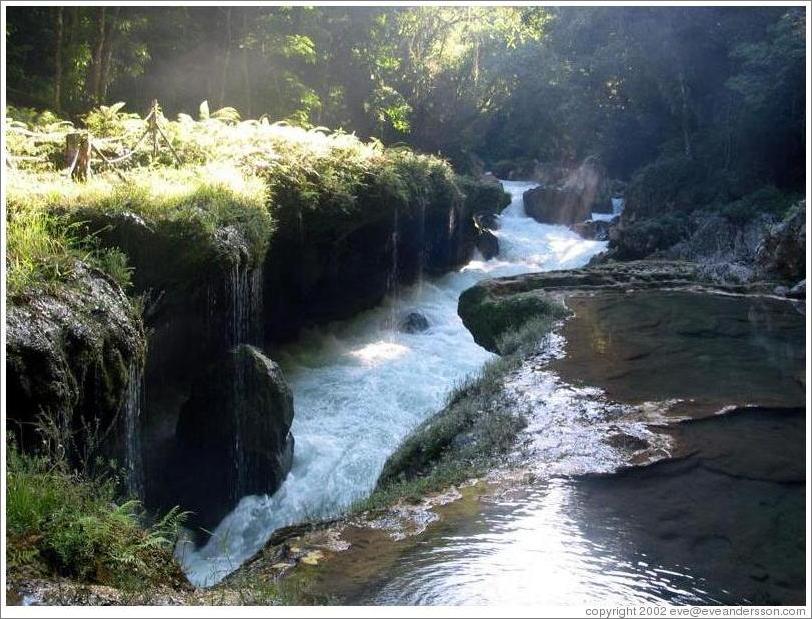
pixel 483 198
pixel 487 316
pixel 252 177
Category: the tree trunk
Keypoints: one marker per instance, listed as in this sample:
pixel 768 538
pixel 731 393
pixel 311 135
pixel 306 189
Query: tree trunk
pixel 226 60
pixel 245 74
pixel 686 133
pixel 96 61
pixel 107 54
pixel 57 102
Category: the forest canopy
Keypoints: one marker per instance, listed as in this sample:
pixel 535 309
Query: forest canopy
pixel 487 87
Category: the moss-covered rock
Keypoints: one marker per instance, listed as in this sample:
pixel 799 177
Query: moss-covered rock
pixel 488 313
pixel 72 351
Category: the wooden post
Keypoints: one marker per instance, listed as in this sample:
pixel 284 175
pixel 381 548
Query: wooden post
pixel 153 127
pixel 77 155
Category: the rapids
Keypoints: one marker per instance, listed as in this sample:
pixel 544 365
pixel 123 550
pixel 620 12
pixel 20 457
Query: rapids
pixel 360 386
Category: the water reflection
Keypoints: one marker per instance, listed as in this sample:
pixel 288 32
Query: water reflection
pixel 721 526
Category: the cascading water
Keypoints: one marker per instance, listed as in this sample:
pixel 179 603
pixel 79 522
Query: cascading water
pixel 361 386
pixel 392 278
pixel 243 291
pixel 131 408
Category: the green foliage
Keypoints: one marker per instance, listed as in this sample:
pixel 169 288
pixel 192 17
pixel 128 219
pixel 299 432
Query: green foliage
pixel 767 201
pixel 66 523
pixel 475 429
pixel 110 121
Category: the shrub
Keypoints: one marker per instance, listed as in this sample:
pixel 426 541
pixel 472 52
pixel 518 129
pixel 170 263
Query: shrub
pixel 66 523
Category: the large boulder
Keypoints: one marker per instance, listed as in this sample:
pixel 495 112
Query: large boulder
pixel 593 230
pixel 571 201
pixel 487 244
pixel 782 252
pixel 74 357
pixel 233 434
pixel 488 314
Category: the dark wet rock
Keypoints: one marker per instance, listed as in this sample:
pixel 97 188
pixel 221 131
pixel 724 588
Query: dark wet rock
pixel 596 230
pixel 626 442
pixel 71 354
pixel 556 205
pixel 572 200
pixel 720 239
pixel 349 267
pixel 414 322
pixel 487 244
pixel 233 436
pixel 202 292
pixel 782 252
pixel 798 291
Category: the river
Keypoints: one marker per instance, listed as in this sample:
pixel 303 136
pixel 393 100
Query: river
pixel 361 385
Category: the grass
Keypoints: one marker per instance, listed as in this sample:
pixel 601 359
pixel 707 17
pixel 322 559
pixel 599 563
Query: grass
pixel 253 175
pixel 43 248
pixel 473 432
pixel 62 522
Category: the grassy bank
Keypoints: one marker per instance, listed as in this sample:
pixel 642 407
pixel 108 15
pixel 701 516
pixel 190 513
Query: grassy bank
pixel 251 175
pixel 476 429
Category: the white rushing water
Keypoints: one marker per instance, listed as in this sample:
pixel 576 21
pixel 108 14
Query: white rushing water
pixel 360 386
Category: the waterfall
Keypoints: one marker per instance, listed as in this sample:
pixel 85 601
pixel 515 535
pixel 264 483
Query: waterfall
pixel 421 256
pixel 131 409
pixel 238 457
pixel 243 294
pixel 243 291
pixel 617 205
pixel 255 333
pixel 392 279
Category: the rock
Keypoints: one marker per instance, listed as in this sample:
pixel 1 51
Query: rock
pixel 233 435
pixel 798 291
pixel 556 205
pixel 569 202
pixel 489 177
pixel 414 322
pixel 71 354
pixel 592 230
pixel 487 244
pixel 783 249
pixel 781 291
pixel 717 239
pixel 494 306
pixel 487 314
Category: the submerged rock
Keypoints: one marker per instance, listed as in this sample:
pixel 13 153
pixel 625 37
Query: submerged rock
pixel 233 434
pixel 414 322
